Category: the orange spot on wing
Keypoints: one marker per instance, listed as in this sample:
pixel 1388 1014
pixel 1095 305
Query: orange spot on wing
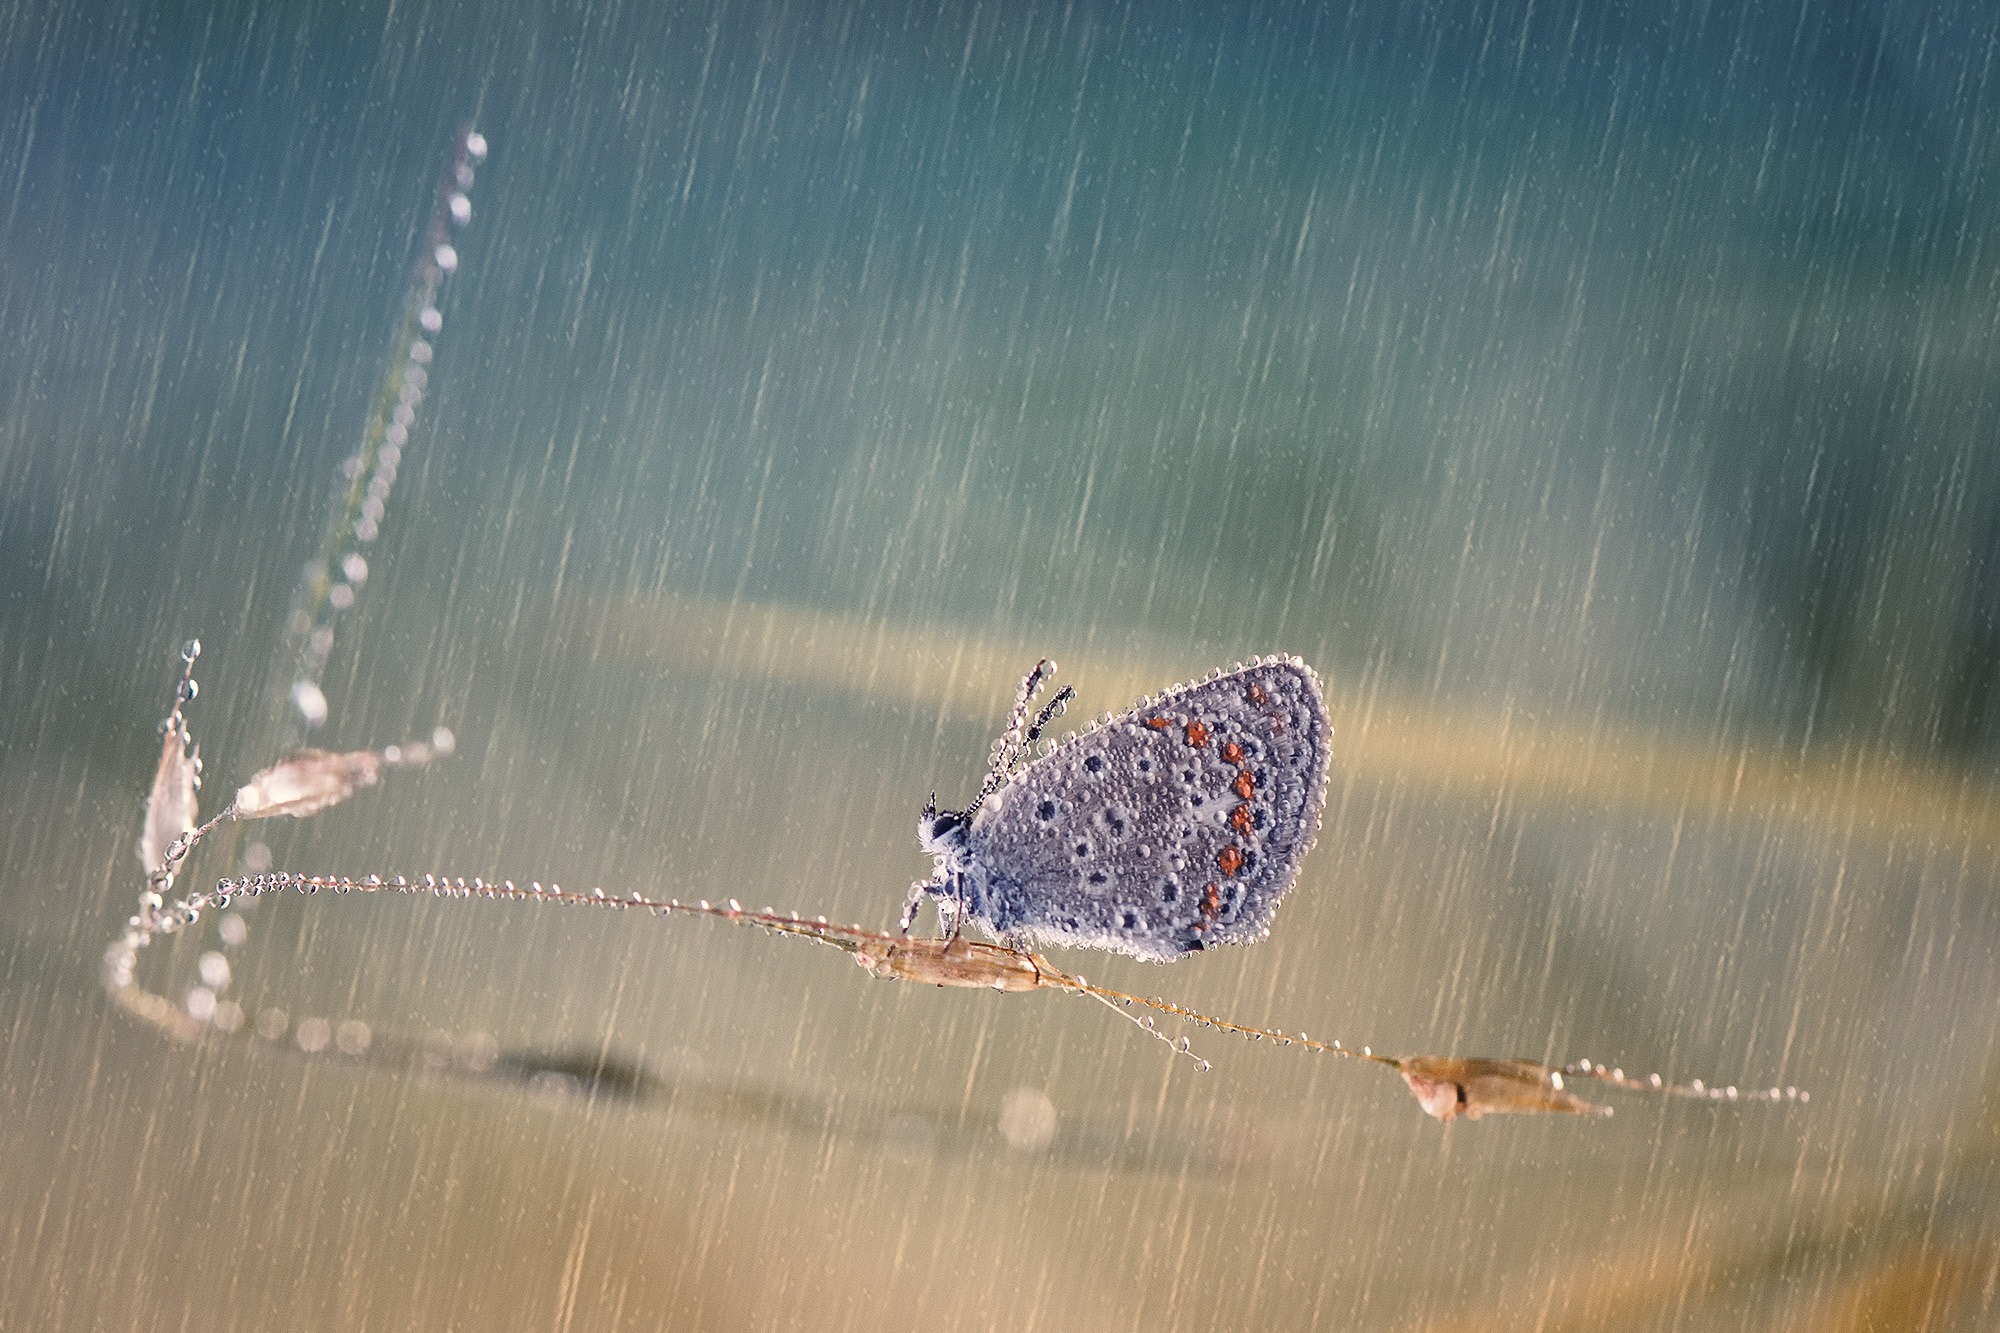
pixel 1211 906
pixel 1158 723
pixel 1197 735
pixel 1239 819
pixel 1245 785
pixel 1231 861
pixel 1233 752
pixel 1257 695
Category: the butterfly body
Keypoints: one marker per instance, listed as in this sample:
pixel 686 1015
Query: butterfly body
pixel 1171 828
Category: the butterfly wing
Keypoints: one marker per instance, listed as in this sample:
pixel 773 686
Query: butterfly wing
pixel 1172 828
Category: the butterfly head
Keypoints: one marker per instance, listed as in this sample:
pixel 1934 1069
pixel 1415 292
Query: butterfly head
pixel 941 831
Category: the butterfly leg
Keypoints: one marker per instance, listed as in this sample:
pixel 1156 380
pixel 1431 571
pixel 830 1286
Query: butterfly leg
pixel 910 909
pixel 950 892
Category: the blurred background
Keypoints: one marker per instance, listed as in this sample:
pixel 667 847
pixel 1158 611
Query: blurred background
pixel 1602 396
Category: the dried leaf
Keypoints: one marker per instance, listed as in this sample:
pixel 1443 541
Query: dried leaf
pixel 170 809
pixel 1449 1087
pixel 307 783
pixel 950 962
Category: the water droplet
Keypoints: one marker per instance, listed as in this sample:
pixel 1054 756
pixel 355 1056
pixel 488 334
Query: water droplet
pixel 310 702
pixel 1027 1119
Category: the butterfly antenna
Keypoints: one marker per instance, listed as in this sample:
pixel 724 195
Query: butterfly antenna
pixel 1050 712
pixel 1019 737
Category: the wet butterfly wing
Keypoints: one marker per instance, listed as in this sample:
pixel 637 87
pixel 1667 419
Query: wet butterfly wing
pixel 1175 827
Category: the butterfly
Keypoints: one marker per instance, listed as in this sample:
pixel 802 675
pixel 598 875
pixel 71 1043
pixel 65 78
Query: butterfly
pixel 1169 829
